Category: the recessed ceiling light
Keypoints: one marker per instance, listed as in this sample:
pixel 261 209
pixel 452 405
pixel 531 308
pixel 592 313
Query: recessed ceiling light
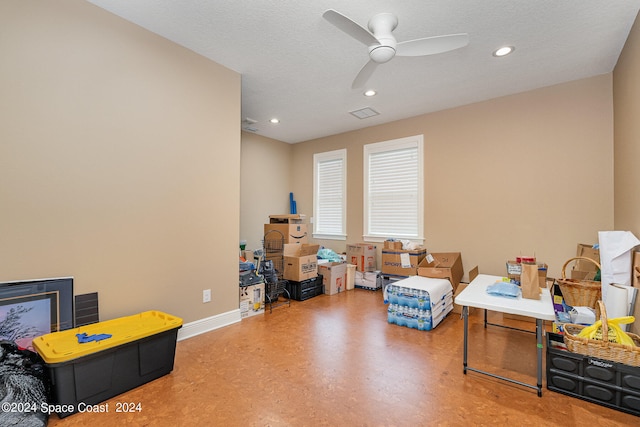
pixel 503 51
pixel 370 92
pixel 274 121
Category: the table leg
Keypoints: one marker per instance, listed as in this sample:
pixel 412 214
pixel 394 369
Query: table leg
pixel 485 318
pixel 539 345
pixel 465 316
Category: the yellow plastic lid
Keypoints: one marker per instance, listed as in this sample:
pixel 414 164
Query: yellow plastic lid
pixel 63 346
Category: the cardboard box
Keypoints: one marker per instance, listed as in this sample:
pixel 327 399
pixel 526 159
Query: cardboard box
pixel 291 233
pixel 456 307
pixel 362 255
pixel 287 219
pixel 473 273
pixel 583 275
pixel 300 261
pixel 251 300
pixel 402 262
pixel 587 251
pixel 393 244
pixel 514 270
pixel 444 265
pixel 334 277
pixel 370 280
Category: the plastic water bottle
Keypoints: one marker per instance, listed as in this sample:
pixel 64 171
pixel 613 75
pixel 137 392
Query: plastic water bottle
pixel 428 321
pixel 413 318
pixel 400 318
pixel 393 294
pixel 409 314
pixel 404 297
pixel 413 298
pixel 421 320
pixel 421 299
pixel 391 313
pixel 399 295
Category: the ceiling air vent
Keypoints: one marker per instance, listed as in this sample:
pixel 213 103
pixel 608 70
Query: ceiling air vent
pixel 248 124
pixel 364 113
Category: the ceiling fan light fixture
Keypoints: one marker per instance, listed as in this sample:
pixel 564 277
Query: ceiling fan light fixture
pixel 381 53
pixel 503 51
pixel 274 121
pixel 370 92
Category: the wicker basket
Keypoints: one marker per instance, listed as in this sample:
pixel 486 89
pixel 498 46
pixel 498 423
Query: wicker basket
pixel 580 293
pixel 602 349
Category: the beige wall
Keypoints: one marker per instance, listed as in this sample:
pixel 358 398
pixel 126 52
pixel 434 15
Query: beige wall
pixel 119 161
pixel 523 174
pixel 265 184
pixel 119 166
pixel 626 95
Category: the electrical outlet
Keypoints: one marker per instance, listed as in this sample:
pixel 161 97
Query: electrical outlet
pixel 206 295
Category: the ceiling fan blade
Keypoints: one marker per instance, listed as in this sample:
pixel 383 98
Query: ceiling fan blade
pixel 350 27
pixel 432 45
pixel 365 73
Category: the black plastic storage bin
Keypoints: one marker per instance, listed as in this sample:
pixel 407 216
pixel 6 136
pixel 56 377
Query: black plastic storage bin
pixel 604 382
pixel 141 349
pixel 305 289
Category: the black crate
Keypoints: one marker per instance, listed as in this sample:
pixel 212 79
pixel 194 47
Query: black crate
pixel 604 382
pixel 305 289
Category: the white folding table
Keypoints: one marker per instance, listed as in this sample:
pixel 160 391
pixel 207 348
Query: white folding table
pixel 475 295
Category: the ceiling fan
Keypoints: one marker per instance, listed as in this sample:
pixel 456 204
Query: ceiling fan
pixel 382 44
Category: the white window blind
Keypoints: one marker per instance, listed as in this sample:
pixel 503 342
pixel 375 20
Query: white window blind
pixel 393 180
pixel 329 201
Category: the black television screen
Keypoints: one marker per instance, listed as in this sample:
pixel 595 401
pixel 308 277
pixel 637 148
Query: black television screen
pixel 31 308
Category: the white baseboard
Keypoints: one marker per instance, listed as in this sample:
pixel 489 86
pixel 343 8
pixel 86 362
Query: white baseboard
pixel 201 326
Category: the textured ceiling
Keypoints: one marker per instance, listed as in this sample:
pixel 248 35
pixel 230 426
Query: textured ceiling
pixel 299 68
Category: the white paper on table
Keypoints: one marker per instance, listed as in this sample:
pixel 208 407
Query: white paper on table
pixel 615 257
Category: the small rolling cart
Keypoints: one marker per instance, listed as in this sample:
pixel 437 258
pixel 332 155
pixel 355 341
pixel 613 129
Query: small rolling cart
pixel 272 268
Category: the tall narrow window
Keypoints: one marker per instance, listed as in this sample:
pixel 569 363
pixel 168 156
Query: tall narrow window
pixel 330 195
pixel 393 189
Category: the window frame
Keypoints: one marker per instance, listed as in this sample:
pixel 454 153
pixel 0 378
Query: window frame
pixel 417 142
pixel 318 158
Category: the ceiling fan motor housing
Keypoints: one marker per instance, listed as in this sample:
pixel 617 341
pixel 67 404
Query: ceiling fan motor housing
pixel 381 26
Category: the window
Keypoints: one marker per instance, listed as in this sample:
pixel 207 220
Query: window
pixel 393 189
pixel 330 195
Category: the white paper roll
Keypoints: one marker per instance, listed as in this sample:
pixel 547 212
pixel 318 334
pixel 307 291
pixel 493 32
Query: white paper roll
pixel 616 301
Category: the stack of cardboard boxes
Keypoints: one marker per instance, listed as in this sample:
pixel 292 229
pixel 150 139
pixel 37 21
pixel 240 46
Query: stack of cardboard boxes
pixel 400 262
pixel 363 256
pixel 300 259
